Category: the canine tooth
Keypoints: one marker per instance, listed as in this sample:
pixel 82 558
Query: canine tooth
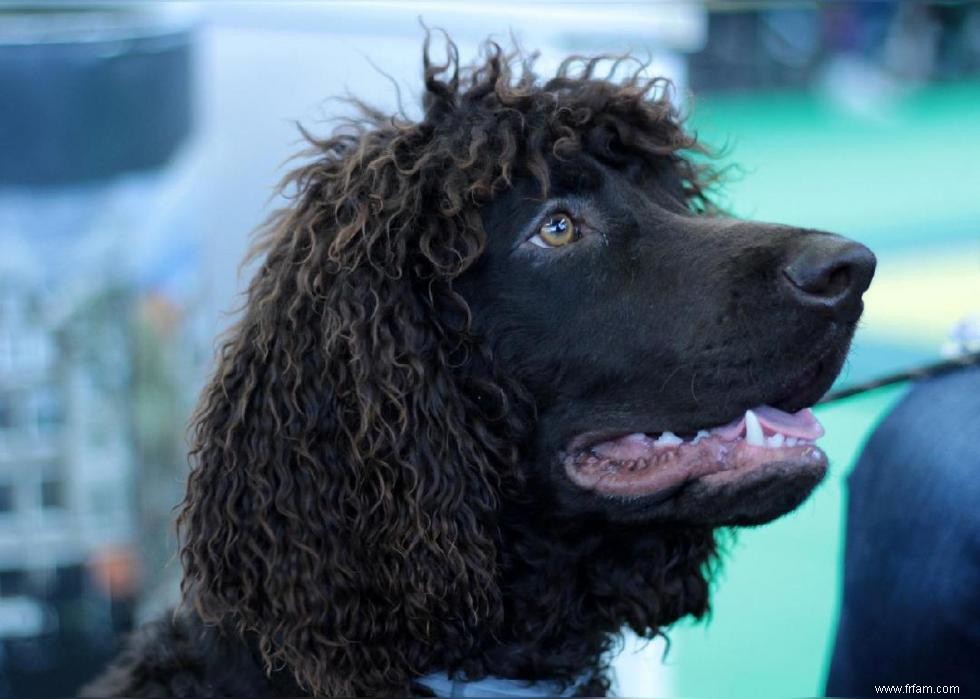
pixel 753 430
pixel 668 439
pixel 775 441
pixel 699 436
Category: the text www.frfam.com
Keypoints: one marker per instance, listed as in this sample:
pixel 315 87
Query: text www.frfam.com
pixel 917 689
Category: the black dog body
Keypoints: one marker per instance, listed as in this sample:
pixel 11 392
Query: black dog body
pixel 438 439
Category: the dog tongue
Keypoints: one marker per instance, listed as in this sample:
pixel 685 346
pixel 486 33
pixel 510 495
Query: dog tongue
pixel 802 424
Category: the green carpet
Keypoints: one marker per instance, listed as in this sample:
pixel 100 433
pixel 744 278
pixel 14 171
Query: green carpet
pixel 775 603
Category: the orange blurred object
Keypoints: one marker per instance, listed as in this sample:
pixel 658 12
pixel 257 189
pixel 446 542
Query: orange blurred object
pixel 114 571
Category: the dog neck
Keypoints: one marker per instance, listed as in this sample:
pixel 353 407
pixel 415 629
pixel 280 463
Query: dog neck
pixel 571 586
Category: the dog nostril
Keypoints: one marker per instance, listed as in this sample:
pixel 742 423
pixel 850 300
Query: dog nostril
pixel 839 280
pixel 824 282
pixel 829 273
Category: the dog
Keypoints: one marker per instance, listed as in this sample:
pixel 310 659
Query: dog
pixel 502 374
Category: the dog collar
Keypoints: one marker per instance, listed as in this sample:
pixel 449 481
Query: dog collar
pixel 442 685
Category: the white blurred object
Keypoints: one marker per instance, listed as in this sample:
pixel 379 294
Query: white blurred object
pixel 598 26
pixel 639 669
pixel 860 87
pixel 964 338
pixel 25 617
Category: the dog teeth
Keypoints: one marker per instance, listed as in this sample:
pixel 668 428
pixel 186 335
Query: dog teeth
pixel 668 439
pixel 637 438
pixel 753 430
pixel 775 441
pixel 699 436
pixel 755 435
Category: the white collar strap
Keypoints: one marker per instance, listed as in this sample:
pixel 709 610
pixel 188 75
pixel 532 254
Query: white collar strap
pixel 442 685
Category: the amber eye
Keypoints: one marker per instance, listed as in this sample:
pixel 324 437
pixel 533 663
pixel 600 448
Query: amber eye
pixel 557 230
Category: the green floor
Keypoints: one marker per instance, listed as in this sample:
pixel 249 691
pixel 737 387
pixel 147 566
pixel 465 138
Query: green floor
pixel 905 183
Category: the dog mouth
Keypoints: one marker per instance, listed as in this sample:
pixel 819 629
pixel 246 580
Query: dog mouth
pixel 640 464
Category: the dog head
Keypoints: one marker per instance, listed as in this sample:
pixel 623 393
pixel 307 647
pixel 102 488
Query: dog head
pixel 673 356
pixel 526 295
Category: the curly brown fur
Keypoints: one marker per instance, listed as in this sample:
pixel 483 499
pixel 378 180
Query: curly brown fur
pixel 343 506
pixel 368 501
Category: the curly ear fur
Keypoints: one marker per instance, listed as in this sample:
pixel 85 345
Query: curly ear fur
pixel 349 458
pixel 345 482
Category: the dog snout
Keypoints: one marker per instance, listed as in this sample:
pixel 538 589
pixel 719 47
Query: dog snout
pixel 829 274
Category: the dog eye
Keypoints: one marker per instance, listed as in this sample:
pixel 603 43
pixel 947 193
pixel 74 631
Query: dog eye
pixel 556 231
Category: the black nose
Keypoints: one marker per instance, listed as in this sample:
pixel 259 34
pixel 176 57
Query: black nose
pixel 829 273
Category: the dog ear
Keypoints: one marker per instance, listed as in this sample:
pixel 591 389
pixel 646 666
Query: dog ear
pixel 345 481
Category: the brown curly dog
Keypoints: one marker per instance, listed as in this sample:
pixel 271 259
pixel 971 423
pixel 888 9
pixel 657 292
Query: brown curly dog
pixel 501 375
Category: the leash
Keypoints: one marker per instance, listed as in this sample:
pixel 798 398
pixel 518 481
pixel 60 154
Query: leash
pixel 935 369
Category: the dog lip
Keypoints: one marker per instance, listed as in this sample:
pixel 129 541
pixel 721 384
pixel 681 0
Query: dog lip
pixel 804 390
pixel 714 461
pixel 585 440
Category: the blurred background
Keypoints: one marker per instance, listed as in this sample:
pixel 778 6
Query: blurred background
pixel 139 145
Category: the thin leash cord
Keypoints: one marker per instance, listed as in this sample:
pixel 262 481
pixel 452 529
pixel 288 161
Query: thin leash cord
pixel 934 369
